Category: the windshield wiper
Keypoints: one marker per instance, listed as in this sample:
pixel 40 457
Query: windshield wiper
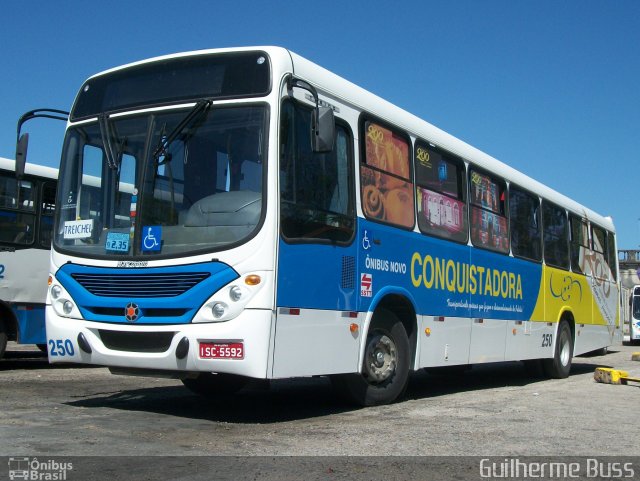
pixel 162 150
pixel 107 141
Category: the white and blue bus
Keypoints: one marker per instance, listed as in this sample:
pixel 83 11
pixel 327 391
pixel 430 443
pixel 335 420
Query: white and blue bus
pixel 260 217
pixel 26 225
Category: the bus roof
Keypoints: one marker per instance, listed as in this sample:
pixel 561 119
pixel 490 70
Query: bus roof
pixel 329 83
pixel 364 100
pixel 30 169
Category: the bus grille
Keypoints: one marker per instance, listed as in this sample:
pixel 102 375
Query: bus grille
pixel 136 341
pixel 140 285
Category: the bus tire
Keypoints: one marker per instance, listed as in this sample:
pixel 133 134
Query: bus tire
pixel 559 366
pixel 210 384
pixel 3 339
pixel 385 369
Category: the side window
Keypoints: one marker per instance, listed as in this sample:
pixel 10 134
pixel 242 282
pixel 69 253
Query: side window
pixel 488 212
pixel 612 258
pixel 17 211
pixel 603 245
pixel 524 215
pixel 599 240
pixel 8 205
pixel 440 190
pixel 579 243
pixel 556 235
pixel 8 192
pixel 385 177
pixel 26 196
pixel 48 207
pixel 316 189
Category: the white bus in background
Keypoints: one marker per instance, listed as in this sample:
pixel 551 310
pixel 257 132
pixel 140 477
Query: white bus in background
pixel 634 316
pixel 26 222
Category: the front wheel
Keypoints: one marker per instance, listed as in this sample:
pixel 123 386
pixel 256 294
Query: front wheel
pixel 559 366
pixel 210 384
pixel 385 369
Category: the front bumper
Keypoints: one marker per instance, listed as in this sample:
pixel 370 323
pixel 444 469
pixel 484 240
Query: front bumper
pixel 252 327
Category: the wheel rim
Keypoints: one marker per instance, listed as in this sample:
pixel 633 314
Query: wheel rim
pixel 381 358
pixel 565 349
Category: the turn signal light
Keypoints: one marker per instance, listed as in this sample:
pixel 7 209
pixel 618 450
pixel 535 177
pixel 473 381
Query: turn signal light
pixel 427 331
pixel 252 280
pixel 50 281
pixel 353 327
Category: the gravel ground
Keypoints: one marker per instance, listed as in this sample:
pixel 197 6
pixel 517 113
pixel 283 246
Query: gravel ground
pixel 491 410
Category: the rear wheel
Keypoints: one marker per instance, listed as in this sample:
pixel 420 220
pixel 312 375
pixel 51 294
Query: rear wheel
pixel 560 365
pixel 210 384
pixel 385 369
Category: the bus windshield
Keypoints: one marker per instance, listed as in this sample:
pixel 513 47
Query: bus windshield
pixel 154 185
pixel 636 307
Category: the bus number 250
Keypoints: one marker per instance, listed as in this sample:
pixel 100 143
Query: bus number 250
pixel 61 348
pixel 547 340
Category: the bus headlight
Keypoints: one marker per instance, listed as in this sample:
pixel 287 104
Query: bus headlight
pixel 62 302
pixel 229 302
pixel 56 291
pixel 67 307
pixel 235 293
pixel 218 310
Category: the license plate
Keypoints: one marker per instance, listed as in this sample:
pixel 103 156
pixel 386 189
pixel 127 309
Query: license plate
pixel 221 350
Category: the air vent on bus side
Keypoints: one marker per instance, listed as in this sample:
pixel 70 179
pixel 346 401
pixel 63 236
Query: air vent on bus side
pixel 348 272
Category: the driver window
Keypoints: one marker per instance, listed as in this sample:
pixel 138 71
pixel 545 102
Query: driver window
pixel 316 189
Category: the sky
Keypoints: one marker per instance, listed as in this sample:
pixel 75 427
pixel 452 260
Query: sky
pixel 551 87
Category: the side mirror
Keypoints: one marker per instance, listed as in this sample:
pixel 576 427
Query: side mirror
pixel 23 140
pixel 21 155
pixel 323 130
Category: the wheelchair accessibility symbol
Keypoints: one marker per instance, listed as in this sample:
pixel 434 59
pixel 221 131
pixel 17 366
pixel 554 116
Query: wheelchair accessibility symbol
pixel 152 238
pixel 366 244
